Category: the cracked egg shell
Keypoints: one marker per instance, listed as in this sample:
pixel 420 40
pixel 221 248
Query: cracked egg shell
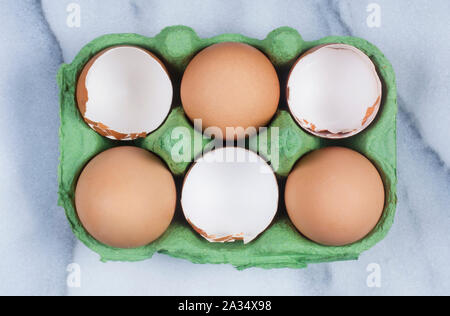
pixel 125 197
pixel 335 196
pixel 334 91
pixel 124 93
pixel 230 194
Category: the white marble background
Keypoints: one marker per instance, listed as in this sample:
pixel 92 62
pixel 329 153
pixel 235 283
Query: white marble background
pixel 36 243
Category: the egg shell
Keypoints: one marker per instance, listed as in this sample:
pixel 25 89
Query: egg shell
pixel 281 246
pixel 230 194
pixel 334 91
pixel 124 93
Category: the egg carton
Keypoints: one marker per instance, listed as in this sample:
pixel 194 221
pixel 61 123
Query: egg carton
pixel 280 246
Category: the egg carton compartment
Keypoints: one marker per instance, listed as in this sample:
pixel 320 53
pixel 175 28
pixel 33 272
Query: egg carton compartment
pixel 281 245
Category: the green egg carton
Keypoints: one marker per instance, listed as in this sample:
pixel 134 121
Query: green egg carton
pixel 281 246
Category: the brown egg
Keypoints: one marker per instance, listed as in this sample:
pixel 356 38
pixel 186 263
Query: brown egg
pixel 230 85
pixel 126 197
pixel 335 196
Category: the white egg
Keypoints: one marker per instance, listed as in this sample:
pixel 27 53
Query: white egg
pixel 129 93
pixel 230 194
pixel 334 91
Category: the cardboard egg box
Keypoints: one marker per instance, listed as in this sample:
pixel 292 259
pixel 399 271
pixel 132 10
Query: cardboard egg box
pixel 281 245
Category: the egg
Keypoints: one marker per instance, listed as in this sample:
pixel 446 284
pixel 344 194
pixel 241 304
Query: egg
pixel 125 197
pixel 334 91
pixel 124 93
pixel 335 196
pixel 230 194
pixel 230 85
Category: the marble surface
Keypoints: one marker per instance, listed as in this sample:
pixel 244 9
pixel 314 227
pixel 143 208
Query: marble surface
pixel 37 245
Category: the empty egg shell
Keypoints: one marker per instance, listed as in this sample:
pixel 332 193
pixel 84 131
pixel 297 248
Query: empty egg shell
pixel 124 93
pixel 230 194
pixel 334 91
